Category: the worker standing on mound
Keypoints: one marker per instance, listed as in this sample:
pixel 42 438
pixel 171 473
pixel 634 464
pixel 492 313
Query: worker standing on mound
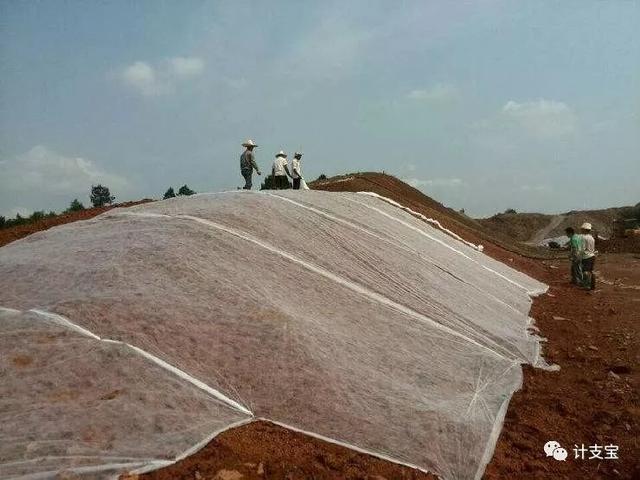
pixel 588 257
pixel 575 255
pixel 280 172
pixel 296 171
pixel 248 164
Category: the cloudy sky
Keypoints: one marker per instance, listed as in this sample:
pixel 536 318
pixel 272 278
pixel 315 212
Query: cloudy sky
pixel 484 105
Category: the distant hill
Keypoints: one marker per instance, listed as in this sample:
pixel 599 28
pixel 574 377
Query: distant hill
pixel 525 227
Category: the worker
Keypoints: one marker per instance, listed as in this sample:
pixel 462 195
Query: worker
pixel 575 255
pixel 248 164
pixel 280 172
pixel 588 257
pixel 296 170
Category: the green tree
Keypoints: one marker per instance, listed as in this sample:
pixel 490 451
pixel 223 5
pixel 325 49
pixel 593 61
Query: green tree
pixel 75 206
pixel 169 193
pixel 184 190
pixel 37 215
pixel 101 196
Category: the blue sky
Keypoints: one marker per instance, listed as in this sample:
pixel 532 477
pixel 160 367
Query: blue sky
pixel 484 105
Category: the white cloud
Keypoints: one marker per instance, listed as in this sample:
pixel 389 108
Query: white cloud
pixel 186 66
pixel 150 80
pixel 142 77
pixel 435 182
pixel 542 118
pixel 35 177
pixel 439 93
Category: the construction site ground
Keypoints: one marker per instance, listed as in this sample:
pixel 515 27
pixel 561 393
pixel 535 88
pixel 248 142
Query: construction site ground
pixel 593 399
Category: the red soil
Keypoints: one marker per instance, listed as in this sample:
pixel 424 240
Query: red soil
pixel 262 450
pixel 8 235
pixel 496 245
pixel 592 399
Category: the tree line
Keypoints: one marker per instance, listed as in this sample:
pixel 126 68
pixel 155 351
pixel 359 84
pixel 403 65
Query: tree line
pixel 99 197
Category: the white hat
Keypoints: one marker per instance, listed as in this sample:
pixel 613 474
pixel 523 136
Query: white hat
pixel 586 226
pixel 249 143
pixel 298 154
pixel 281 154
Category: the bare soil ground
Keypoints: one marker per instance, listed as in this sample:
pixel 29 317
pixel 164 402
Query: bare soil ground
pixel 593 399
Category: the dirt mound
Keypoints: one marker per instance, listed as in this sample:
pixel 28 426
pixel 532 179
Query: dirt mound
pixel 468 228
pixel 524 227
pixel 592 399
pixel 519 226
pixel 619 245
pixel 11 234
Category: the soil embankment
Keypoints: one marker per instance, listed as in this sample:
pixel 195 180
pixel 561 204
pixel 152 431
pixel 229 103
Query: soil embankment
pixel 592 400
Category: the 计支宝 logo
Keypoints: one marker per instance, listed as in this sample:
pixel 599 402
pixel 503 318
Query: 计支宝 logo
pixel 555 450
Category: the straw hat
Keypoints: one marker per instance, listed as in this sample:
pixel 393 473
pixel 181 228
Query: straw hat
pixel 249 143
pixel 281 154
pixel 586 226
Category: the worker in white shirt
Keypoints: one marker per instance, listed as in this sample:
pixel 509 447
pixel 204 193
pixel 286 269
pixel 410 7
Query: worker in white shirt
pixel 588 256
pixel 296 170
pixel 280 172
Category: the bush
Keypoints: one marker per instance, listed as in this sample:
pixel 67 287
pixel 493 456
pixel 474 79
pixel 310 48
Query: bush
pixel 321 177
pixel 75 206
pixel 184 190
pixel 37 215
pixel 509 210
pixel 3 221
pixel 269 183
pixel 101 196
pixel 169 193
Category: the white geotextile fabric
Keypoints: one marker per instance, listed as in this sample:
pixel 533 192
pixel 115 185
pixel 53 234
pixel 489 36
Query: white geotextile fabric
pixel 338 314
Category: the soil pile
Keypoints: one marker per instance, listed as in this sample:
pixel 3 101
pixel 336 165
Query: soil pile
pixel 629 244
pixel 593 399
pixel 468 228
pixel 524 226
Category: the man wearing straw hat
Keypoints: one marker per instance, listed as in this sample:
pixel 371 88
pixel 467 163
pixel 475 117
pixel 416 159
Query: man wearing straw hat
pixel 296 171
pixel 588 257
pixel 280 172
pixel 248 163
